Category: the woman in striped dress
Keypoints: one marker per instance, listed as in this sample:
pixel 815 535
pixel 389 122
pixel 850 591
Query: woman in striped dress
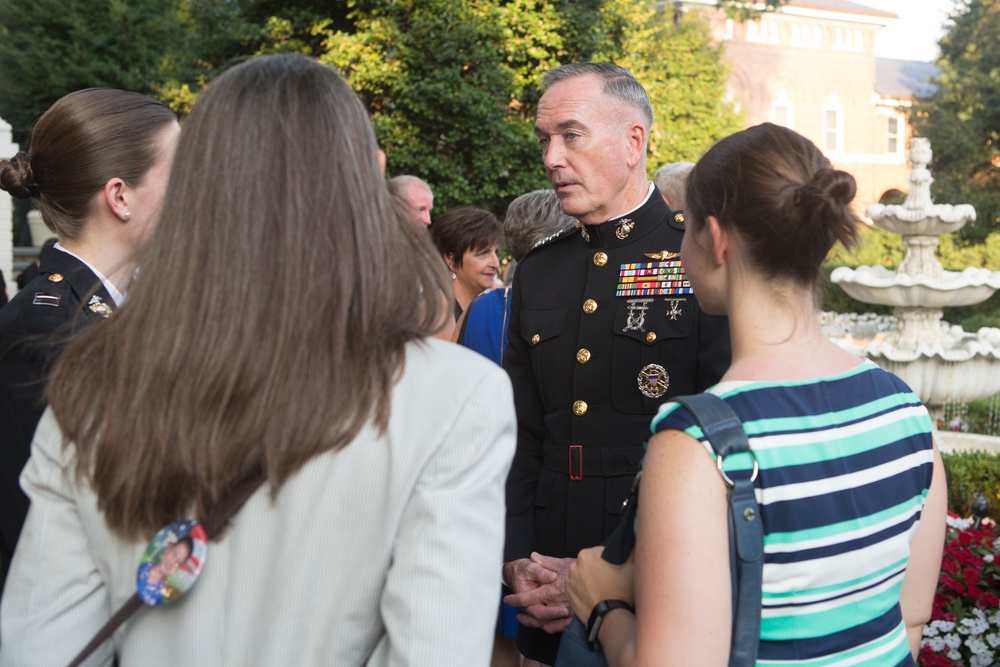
pixel 851 487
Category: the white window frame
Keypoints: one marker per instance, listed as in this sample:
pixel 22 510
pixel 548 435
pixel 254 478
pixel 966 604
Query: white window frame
pixel 789 108
pixel 899 136
pixel 837 129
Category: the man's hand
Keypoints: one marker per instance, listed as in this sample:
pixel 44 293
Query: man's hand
pixel 539 584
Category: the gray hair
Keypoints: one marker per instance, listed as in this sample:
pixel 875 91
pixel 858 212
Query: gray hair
pixel 399 184
pixel 618 83
pixel 670 180
pixel 531 218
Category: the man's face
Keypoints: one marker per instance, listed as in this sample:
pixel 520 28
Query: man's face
pixel 420 199
pixel 585 148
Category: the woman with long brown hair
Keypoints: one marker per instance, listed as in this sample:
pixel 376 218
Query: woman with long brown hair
pixel 96 166
pixel 261 336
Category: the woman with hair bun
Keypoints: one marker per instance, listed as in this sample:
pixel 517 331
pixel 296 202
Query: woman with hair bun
pixel 851 487
pixel 377 532
pixel 96 167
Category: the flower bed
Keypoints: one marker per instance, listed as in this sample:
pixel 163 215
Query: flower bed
pixel 965 623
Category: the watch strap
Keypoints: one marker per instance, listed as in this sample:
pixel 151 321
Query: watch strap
pixel 597 619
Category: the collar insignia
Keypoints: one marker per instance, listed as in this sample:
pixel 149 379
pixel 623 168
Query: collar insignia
pixel 97 305
pixel 623 228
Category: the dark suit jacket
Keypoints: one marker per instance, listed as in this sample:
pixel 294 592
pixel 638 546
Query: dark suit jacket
pixel 591 358
pixel 34 326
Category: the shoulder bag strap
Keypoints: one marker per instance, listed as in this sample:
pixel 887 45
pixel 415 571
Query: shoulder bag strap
pixel 724 431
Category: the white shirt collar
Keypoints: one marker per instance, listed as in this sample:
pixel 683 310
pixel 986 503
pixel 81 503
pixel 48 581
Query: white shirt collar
pixel 117 296
pixel 649 193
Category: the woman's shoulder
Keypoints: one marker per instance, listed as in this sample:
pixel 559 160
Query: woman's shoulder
pixel 448 364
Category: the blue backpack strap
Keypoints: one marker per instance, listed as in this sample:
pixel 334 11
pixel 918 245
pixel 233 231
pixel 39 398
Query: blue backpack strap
pixel 724 431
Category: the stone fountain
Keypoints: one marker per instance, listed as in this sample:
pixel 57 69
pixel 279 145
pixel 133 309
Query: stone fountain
pixel 941 363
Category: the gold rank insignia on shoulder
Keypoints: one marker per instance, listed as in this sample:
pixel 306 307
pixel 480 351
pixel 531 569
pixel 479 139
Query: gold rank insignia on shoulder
pixel 56 278
pixel 623 228
pixel 663 255
pixel 97 305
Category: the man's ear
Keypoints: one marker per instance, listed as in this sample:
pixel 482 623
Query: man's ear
pixel 115 191
pixel 635 143
pixel 721 239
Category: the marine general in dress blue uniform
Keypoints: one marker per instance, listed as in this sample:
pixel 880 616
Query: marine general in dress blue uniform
pixel 604 328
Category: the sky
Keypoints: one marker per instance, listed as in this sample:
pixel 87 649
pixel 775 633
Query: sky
pixel 915 35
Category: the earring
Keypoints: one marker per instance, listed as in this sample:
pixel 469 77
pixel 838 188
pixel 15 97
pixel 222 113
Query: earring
pixel 128 215
pixel 453 276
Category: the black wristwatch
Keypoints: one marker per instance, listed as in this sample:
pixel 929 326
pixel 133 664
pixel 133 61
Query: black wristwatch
pixel 597 618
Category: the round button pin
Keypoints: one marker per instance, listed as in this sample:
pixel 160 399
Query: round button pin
pixel 172 562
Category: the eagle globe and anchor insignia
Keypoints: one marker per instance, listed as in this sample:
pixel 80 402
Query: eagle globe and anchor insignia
pixel 653 380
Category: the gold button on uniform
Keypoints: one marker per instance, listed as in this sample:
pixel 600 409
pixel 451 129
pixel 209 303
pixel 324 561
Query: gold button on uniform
pixel 583 356
pixel 535 339
pixel 600 259
pixel 579 408
pixel 56 278
pixel 589 306
pixel 650 337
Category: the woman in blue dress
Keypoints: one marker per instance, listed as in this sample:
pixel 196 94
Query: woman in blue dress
pixel 851 487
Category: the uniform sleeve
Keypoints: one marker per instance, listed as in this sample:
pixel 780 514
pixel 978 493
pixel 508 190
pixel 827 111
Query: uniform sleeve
pixel 526 468
pixel 22 371
pixel 54 600
pixel 714 349
pixel 442 592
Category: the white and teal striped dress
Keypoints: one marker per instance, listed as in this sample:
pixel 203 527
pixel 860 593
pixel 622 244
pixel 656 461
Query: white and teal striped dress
pixel 845 466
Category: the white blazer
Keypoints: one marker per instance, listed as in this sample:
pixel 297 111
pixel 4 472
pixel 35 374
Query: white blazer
pixel 387 552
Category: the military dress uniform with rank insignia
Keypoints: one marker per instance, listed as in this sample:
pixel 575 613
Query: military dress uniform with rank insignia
pixel 63 298
pixel 604 328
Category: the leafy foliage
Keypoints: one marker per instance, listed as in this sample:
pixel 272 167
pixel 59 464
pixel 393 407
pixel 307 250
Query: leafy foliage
pixel 51 47
pixel 452 86
pixel 748 11
pixel 970 474
pixel 432 75
pixel 962 119
pixel 686 81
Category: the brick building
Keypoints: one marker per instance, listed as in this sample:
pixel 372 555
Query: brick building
pixel 811 66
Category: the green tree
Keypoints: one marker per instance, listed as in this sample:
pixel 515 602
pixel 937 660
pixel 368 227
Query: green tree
pixel 52 47
pixel 673 57
pixel 962 119
pixel 432 75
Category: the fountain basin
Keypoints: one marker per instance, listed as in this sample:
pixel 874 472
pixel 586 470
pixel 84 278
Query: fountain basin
pixel 940 376
pixel 926 221
pixel 877 284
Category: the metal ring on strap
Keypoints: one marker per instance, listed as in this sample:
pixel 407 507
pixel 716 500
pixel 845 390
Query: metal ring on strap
pixel 729 482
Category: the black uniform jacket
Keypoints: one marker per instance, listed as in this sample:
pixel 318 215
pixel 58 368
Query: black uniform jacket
pixel 603 329
pixel 64 297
